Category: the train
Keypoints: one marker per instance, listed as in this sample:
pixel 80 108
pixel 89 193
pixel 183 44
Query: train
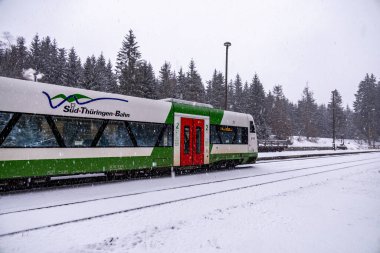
pixel 48 130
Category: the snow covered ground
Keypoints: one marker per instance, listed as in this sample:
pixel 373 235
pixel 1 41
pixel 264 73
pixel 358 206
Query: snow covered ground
pixel 274 155
pixel 328 204
pixel 302 141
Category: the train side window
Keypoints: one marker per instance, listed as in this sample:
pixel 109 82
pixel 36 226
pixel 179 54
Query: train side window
pixel 244 135
pixel 167 137
pixel 215 139
pixel 146 134
pixel 241 136
pixel 227 134
pixel 31 131
pixel 115 135
pixel 77 132
pixel 4 119
pixel 251 127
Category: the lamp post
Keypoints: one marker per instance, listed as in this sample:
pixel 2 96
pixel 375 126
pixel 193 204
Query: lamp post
pixel 333 104
pixel 226 44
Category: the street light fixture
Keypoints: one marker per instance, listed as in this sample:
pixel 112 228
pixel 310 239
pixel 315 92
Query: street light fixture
pixel 226 44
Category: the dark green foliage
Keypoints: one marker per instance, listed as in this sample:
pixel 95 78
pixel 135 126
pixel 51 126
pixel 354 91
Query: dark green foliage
pixel 90 77
pixel 192 88
pixel 307 111
pixel 74 71
pixel 110 84
pixel 181 84
pixel 272 112
pixel 13 58
pixel 340 117
pixel 146 80
pixel 166 82
pixel 280 119
pixel 366 109
pixel 215 90
pixel 127 64
pixel 256 106
pixel 322 122
pixel 238 93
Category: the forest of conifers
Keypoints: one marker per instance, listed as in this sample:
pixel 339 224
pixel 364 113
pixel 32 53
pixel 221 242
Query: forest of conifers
pixel 274 114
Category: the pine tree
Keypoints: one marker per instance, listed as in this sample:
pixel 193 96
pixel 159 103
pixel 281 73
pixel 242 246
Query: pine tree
pixel 127 61
pixel 340 121
pixel 61 67
pixel 11 68
pixel 166 82
pixel 100 73
pixel 322 123
pixel 22 54
pixel 181 84
pixel 74 70
pixel 307 109
pixel 48 52
pixel 215 90
pixel 280 120
pixel 111 83
pixel 365 108
pixel 146 80
pixel 244 101
pixel 193 88
pixel 350 130
pixel 89 74
pixel 238 88
pixel 257 107
pixel 35 58
pixel 377 110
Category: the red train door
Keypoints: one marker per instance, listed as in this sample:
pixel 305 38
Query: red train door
pixel 192 142
pixel 198 137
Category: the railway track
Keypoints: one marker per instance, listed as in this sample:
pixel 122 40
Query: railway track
pixel 295 175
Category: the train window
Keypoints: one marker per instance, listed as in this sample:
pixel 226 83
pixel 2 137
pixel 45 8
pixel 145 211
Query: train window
pixel 241 136
pixel 198 133
pixel 4 119
pixel 31 131
pixel 115 135
pixel 167 138
pixel 251 127
pixel 215 139
pixel 77 132
pixel 187 140
pixel 146 134
pixel 228 135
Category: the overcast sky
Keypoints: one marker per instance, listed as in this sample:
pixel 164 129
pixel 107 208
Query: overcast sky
pixel 329 44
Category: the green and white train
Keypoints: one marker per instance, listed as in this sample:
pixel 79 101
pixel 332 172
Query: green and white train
pixel 49 130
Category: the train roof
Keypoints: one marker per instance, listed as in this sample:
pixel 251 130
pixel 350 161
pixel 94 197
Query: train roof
pixel 41 98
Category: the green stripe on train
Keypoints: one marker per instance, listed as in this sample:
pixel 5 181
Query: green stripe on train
pixel 161 157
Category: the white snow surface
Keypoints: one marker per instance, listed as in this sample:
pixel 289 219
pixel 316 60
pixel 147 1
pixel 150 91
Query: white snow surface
pixel 302 141
pixel 336 209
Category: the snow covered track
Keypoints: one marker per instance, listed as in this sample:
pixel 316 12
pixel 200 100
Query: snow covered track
pixel 27 212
